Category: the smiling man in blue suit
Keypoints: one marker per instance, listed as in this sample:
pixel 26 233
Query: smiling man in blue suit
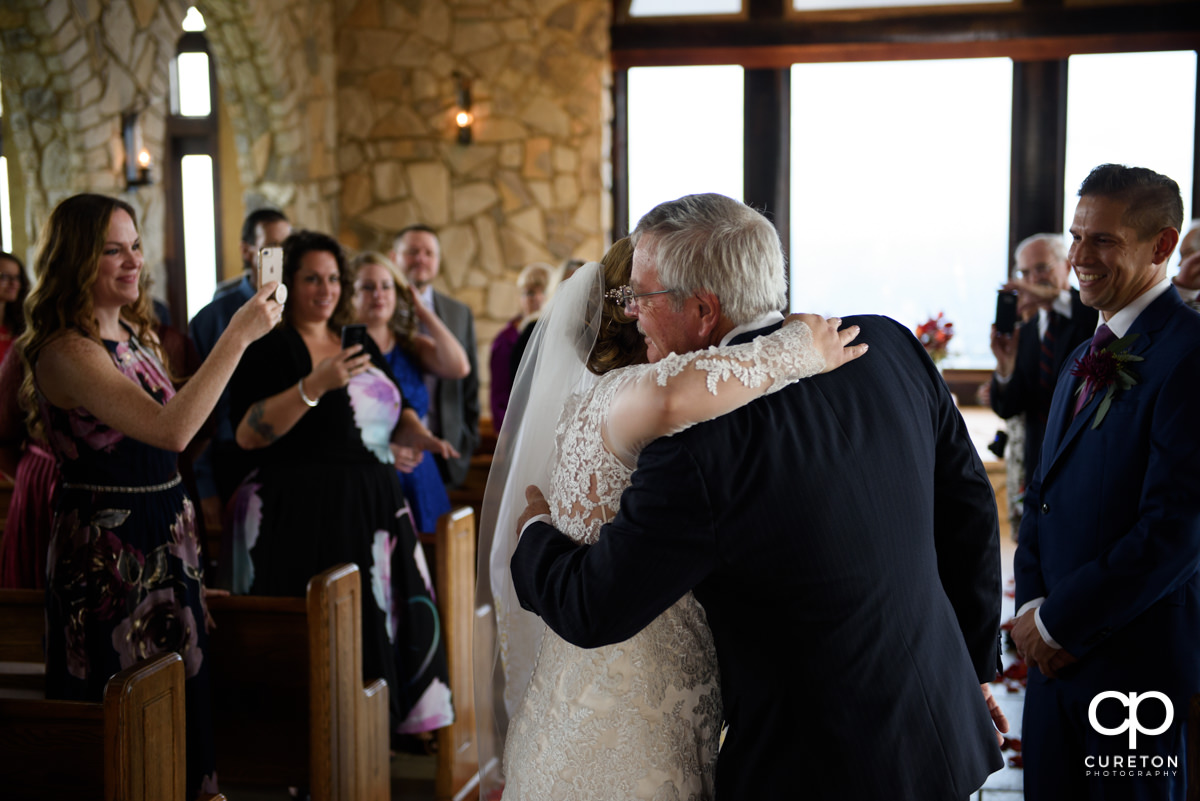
pixel 1108 590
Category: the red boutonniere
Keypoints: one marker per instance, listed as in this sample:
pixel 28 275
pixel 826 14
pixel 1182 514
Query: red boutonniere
pixel 1107 369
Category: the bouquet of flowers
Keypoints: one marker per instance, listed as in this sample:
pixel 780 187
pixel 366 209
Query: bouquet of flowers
pixel 935 335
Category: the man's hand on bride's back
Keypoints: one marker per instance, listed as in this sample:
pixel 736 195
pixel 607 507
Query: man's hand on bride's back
pixel 833 344
pixel 535 504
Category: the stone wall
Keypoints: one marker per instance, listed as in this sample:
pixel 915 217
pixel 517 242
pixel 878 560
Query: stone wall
pixel 70 70
pixel 342 113
pixel 530 187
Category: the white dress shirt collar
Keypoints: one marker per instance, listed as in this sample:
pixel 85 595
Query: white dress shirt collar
pixel 770 318
pixel 426 296
pixel 1121 322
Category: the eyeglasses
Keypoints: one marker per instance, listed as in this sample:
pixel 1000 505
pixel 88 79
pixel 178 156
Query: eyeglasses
pixel 1041 268
pixel 5 278
pixel 625 296
pixel 369 289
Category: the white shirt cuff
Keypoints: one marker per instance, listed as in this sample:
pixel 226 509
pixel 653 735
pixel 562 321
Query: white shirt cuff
pixel 535 519
pixel 1002 380
pixel 1037 618
pixel 1185 293
pixel 1036 605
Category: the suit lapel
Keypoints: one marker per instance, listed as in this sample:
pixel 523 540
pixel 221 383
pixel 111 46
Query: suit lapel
pixel 1064 429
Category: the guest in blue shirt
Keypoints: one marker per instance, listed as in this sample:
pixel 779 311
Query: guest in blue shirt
pixel 217 468
pixel 385 302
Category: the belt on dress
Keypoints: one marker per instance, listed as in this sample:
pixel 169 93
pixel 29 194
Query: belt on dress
pixel 166 485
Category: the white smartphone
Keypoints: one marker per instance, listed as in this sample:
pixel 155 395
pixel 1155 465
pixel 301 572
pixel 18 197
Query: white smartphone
pixel 270 268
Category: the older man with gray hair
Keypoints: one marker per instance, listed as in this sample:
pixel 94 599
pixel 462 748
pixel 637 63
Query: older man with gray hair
pixel 1187 281
pixel 1029 361
pixel 841 535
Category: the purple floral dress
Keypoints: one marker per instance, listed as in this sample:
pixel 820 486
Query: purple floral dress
pixel 124 571
pixel 327 492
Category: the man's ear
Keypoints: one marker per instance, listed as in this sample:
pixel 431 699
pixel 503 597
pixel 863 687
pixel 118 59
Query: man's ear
pixel 1164 244
pixel 709 310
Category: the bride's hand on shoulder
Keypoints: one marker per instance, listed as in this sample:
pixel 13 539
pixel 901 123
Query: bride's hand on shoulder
pixel 832 344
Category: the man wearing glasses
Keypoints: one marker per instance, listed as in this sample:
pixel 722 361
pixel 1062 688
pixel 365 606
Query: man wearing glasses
pixel 1029 361
pixel 841 535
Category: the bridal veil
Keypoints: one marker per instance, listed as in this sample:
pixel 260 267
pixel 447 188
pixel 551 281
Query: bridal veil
pixel 507 637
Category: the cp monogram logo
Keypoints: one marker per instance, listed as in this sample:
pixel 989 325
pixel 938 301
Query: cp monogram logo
pixel 1131 724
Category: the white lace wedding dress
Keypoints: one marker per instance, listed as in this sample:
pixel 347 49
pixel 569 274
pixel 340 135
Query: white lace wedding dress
pixel 640 719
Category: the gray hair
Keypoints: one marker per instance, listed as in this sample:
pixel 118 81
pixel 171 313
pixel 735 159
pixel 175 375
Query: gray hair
pixel 718 244
pixel 1056 242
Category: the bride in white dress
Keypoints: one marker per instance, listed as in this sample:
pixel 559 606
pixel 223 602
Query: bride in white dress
pixel 640 719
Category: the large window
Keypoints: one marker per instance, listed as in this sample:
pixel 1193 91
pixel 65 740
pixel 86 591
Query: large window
pixel 685 134
pixel 679 8
pixel 900 192
pixel 1137 109
pixel 192 129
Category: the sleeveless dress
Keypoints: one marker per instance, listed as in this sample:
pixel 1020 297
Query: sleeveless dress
pixel 423 487
pixel 637 720
pixel 326 492
pixel 124 570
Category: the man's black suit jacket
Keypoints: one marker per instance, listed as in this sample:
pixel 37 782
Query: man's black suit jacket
pixel 1023 393
pixel 842 537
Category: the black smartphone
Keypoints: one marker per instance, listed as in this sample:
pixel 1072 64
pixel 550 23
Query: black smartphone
pixel 355 334
pixel 1006 312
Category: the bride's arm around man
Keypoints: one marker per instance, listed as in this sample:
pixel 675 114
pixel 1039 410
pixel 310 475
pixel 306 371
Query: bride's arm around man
pixel 847 519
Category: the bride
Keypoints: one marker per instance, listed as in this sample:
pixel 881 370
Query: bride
pixel 640 719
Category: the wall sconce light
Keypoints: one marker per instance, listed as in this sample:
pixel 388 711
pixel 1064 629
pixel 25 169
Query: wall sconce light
pixel 137 157
pixel 463 117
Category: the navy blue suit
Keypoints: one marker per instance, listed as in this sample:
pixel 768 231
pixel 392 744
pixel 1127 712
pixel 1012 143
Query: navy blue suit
pixel 842 537
pixel 1111 539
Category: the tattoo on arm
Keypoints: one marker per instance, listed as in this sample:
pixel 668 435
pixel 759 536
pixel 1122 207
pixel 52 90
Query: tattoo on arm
pixel 260 426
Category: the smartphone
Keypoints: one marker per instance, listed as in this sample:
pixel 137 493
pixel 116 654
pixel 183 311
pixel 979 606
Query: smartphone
pixel 270 268
pixel 1006 312
pixel 355 334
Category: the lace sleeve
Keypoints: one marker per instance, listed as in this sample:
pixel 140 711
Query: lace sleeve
pixel 682 390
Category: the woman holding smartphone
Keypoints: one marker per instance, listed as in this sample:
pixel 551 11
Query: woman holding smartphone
pixel 384 303
pixel 319 420
pixel 124 575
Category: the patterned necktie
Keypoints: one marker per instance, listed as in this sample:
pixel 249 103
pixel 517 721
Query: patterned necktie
pixel 1103 338
pixel 1046 365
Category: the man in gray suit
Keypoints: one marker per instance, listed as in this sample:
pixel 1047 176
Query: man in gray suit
pixel 453 403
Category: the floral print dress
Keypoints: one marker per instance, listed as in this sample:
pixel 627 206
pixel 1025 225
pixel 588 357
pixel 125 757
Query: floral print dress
pixel 124 572
pixel 327 492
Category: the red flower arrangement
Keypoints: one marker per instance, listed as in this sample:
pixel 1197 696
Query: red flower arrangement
pixel 935 335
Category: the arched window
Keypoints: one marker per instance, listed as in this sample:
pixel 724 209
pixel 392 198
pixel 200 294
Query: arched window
pixel 193 221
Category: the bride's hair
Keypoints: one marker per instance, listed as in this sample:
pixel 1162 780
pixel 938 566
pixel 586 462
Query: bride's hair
pixel 618 343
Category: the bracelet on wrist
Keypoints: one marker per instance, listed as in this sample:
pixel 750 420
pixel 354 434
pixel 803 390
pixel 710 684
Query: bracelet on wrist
pixel 309 402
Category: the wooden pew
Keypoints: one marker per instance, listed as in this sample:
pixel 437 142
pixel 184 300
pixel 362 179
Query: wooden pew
pixel 290 707
pixel 130 747
pixel 457 775
pixel 22 628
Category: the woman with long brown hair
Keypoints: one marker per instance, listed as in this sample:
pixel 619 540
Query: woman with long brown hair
pixel 320 418
pixel 124 575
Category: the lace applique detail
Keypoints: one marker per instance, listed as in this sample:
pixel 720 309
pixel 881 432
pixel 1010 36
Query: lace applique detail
pixel 636 720
pixel 783 357
pixel 640 719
